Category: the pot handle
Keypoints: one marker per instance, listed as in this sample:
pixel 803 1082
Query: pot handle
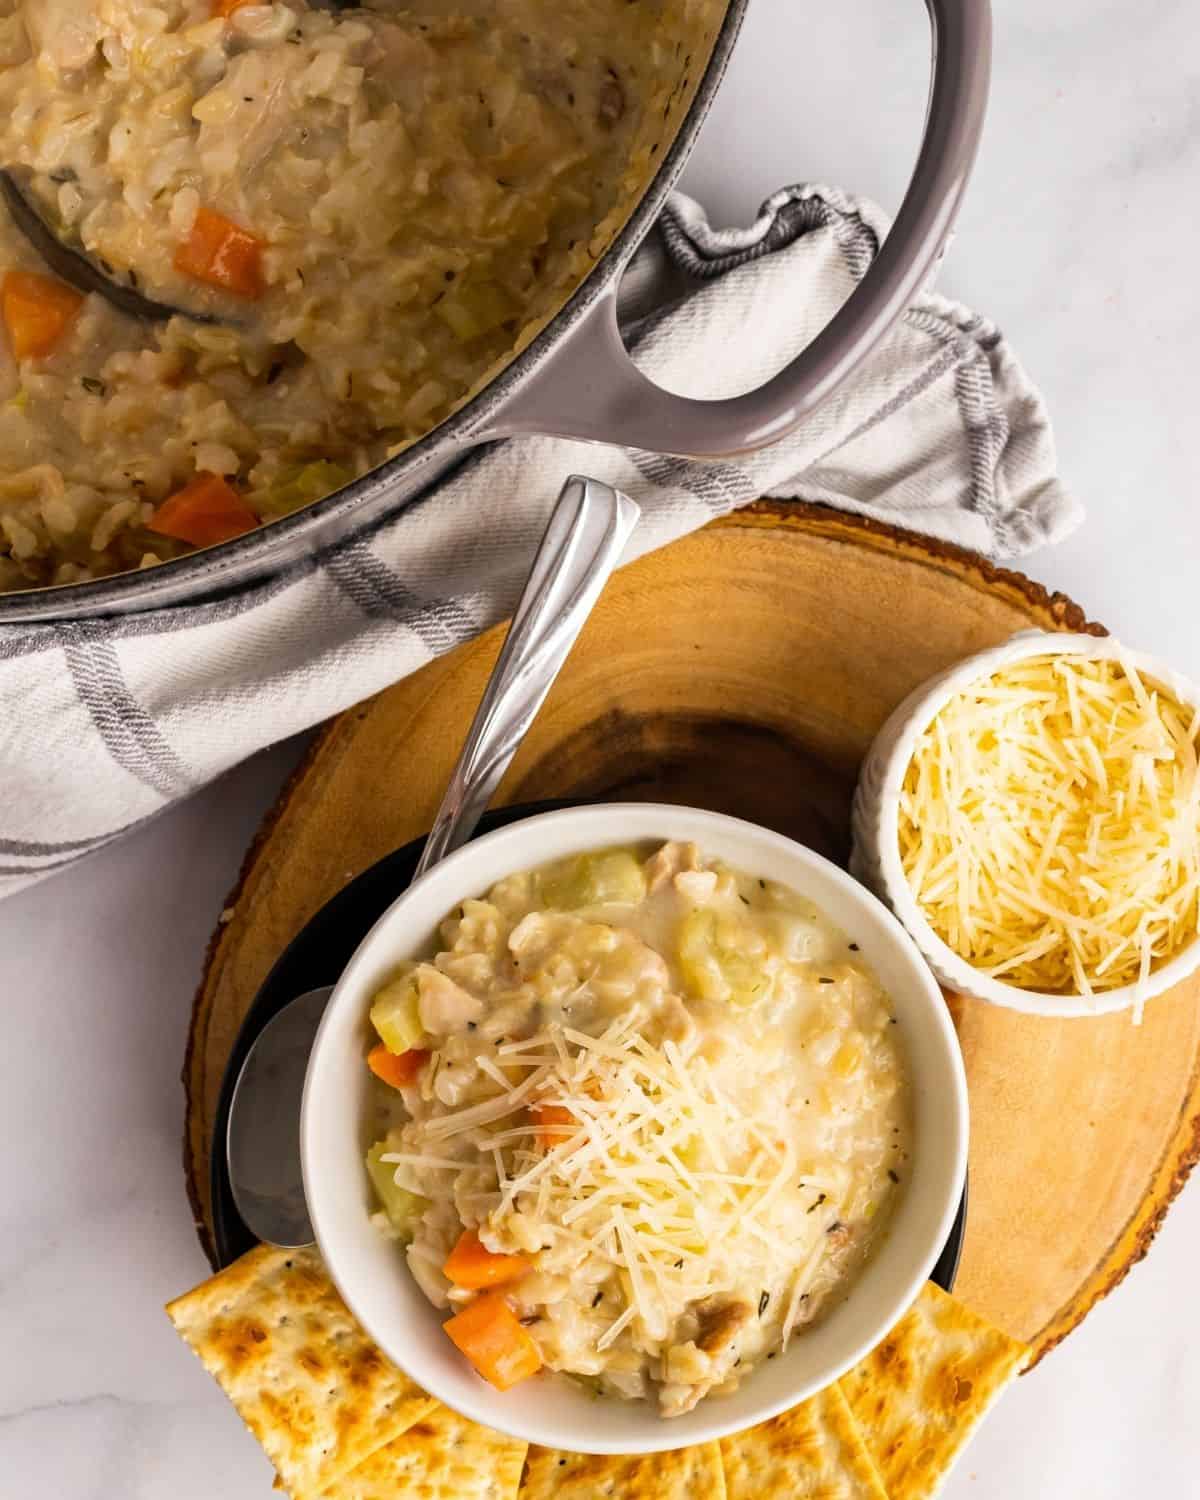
pixel 588 387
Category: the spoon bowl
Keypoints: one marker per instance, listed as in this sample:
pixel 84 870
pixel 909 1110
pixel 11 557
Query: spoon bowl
pixel 261 1138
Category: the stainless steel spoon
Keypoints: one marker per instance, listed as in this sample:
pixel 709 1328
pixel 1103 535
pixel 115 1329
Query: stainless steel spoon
pixel 582 545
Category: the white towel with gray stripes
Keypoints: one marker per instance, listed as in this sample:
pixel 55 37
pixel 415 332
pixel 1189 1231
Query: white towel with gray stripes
pixel 104 723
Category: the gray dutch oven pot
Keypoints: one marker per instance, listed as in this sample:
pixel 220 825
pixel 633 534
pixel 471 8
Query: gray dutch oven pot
pixel 576 378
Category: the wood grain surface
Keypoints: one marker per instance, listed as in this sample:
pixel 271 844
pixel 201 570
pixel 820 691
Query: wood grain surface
pixel 746 668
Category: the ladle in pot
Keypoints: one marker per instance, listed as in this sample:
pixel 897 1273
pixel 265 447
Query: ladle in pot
pixel 77 268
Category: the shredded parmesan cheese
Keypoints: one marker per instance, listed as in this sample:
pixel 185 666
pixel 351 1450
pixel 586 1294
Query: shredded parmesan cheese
pixel 1049 825
pixel 641 1179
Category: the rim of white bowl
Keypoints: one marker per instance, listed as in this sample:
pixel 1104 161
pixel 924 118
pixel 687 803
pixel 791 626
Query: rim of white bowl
pixel 949 966
pixel 613 822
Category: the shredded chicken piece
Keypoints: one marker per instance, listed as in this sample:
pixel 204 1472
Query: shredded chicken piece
pixel 720 1324
pixel 669 861
pixel 695 1368
pixel 443 1005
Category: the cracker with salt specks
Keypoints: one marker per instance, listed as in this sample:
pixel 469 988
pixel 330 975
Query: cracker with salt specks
pixel 307 1381
pixel 684 1474
pixel 441 1457
pixel 812 1452
pixel 920 1394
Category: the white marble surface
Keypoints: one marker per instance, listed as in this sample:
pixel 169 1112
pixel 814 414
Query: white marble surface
pixel 1078 238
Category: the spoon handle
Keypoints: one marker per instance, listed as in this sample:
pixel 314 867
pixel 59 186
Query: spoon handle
pixel 582 545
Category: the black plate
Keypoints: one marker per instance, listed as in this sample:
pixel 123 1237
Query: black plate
pixel 317 955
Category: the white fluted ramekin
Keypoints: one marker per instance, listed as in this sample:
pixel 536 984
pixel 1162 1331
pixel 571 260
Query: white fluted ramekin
pixel 876 856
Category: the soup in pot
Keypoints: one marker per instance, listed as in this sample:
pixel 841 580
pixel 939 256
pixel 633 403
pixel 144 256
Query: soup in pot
pixel 343 222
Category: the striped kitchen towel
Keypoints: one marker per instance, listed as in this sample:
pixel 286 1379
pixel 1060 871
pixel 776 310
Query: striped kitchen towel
pixel 104 723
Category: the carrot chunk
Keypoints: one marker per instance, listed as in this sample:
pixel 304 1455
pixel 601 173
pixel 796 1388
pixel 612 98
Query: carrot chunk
pixel 552 1122
pixel 396 1068
pixel 227 7
pixel 473 1266
pixel 37 311
pixel 221 253
pixel 489 1333
pixel 204 512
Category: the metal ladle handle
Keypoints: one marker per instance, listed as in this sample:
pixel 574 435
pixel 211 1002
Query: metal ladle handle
pixel 582 545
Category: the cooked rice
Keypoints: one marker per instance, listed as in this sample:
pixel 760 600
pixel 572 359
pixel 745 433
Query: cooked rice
pixel 428 179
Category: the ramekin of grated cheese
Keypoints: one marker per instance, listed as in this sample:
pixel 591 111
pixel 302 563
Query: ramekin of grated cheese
pixel 1032 816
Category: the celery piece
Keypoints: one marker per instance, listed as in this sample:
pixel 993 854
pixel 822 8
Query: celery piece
pixel 611 877
pixel 473 310
pixel 698 956
pixel 395 1016
pixel 713 968
pixel 402 1207
pixel 459 319
pixel 298 485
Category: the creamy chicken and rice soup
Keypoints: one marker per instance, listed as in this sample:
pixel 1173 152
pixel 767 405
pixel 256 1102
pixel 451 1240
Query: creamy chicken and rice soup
pixel 639 1120
pixel 359 215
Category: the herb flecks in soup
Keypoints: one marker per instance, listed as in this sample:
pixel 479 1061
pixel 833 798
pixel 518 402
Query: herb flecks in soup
pixel 640 1121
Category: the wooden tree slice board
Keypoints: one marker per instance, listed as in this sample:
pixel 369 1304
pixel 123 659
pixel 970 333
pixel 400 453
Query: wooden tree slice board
pixel 746 668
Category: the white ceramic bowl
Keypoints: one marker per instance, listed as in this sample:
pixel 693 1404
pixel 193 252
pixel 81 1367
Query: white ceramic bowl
pixel 371 1273
pixel 876 857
